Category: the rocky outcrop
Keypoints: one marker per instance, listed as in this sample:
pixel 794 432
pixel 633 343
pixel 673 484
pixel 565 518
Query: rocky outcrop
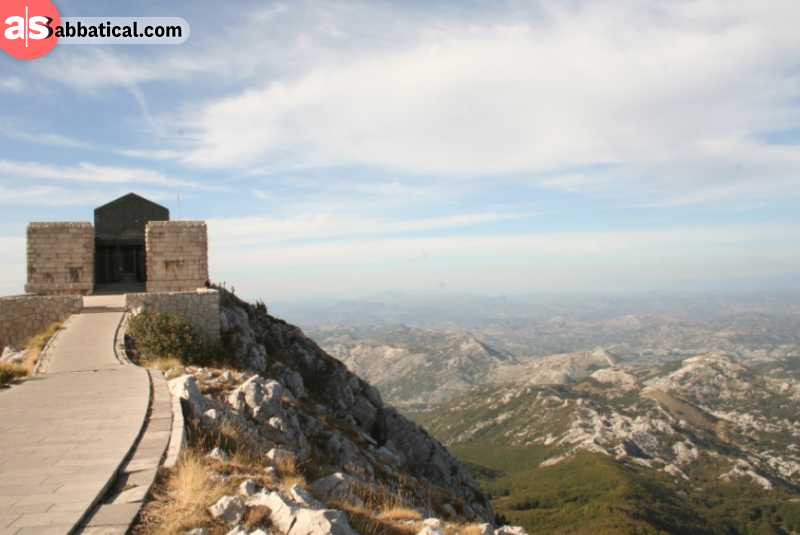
pixel 303 415
pixel 308 402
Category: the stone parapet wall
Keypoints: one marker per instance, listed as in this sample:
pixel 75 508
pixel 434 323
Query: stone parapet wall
pixel 199 307
pixel 60 258
pixel 177 255
pixel 24 316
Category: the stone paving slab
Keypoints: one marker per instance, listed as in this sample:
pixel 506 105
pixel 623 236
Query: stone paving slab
pixel 65 433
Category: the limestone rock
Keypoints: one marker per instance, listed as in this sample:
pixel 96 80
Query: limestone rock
pixel 280 457
pixel 321 522
pixel 257 359
pixel 510 530
pixel 293 519
pixel 295 383
pixel 12 356
pixel 218 454
pixel 307 405
pixel 229 509
pixel 304 498
pixel 282 511
pixel 185 389
pixel 258 397
pixel 338 487
pixel 434 523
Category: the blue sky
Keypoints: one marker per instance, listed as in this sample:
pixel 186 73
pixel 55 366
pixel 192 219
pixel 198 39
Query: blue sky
pixel 343 149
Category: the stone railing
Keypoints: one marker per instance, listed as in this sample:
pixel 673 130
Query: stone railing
pixel 199 307
pixel 24 316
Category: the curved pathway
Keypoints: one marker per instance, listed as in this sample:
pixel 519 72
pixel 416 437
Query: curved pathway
pixel 64 434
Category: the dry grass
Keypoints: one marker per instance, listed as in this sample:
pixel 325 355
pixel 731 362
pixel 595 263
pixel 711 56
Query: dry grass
pixel 286 466
pixel 163 364
pixel 385 511
pixel 364 522
pixel 182 499
pixel 35 345
pixel 287 482
pixel 463 529
pixel 399 514
pixel 40 340
pixel 10 372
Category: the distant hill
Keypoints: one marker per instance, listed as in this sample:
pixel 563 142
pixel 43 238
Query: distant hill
pixel 701 445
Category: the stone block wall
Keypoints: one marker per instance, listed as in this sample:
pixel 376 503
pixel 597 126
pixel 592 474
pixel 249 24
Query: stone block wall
pixel 177 255
pixel 199 307
pixel 24 316
pixel 60 258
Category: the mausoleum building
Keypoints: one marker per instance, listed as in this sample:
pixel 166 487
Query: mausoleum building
pixel 132 247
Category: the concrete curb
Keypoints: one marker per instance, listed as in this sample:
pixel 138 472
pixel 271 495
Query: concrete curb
pixel 94 509
pixel 177 438
pixel 120 351
pixel 125 497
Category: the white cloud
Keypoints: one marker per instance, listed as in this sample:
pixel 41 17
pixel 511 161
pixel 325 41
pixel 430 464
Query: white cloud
pixel 261 194
pixel 91 174
pixel 150 154
pixel 657 93
pixel 12 85
pixel 11 130
pixel 239 232
pixel 48 196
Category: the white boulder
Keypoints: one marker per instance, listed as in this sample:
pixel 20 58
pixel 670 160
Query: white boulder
pixel 218 454
pixel 338 487
pixel 12 356
pixel 185 389
pixel 229 509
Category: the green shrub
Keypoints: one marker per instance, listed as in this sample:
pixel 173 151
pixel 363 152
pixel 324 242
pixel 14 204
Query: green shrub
pixel 159 335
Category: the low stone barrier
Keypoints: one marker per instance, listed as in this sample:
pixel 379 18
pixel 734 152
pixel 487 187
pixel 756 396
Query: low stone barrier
pixel 199 307
pixel 23 316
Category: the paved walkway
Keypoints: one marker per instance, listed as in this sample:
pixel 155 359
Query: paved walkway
pixel 64 434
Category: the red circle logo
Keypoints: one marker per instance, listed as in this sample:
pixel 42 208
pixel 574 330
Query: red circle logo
pixel 27 28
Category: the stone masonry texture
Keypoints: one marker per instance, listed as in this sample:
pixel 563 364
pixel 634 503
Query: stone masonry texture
pixel 199 307
pixel 177 255
pixel 60 258
pixel 26 315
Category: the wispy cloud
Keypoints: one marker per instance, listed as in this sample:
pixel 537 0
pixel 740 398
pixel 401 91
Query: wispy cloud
pixel 53 139
pixel 150 154
pixel 576 85
pixel 12 85
pixel 235 232
pixel 91 173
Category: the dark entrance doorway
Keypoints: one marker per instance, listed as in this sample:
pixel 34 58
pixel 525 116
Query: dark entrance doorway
pixel 119 263
pixel 120 256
